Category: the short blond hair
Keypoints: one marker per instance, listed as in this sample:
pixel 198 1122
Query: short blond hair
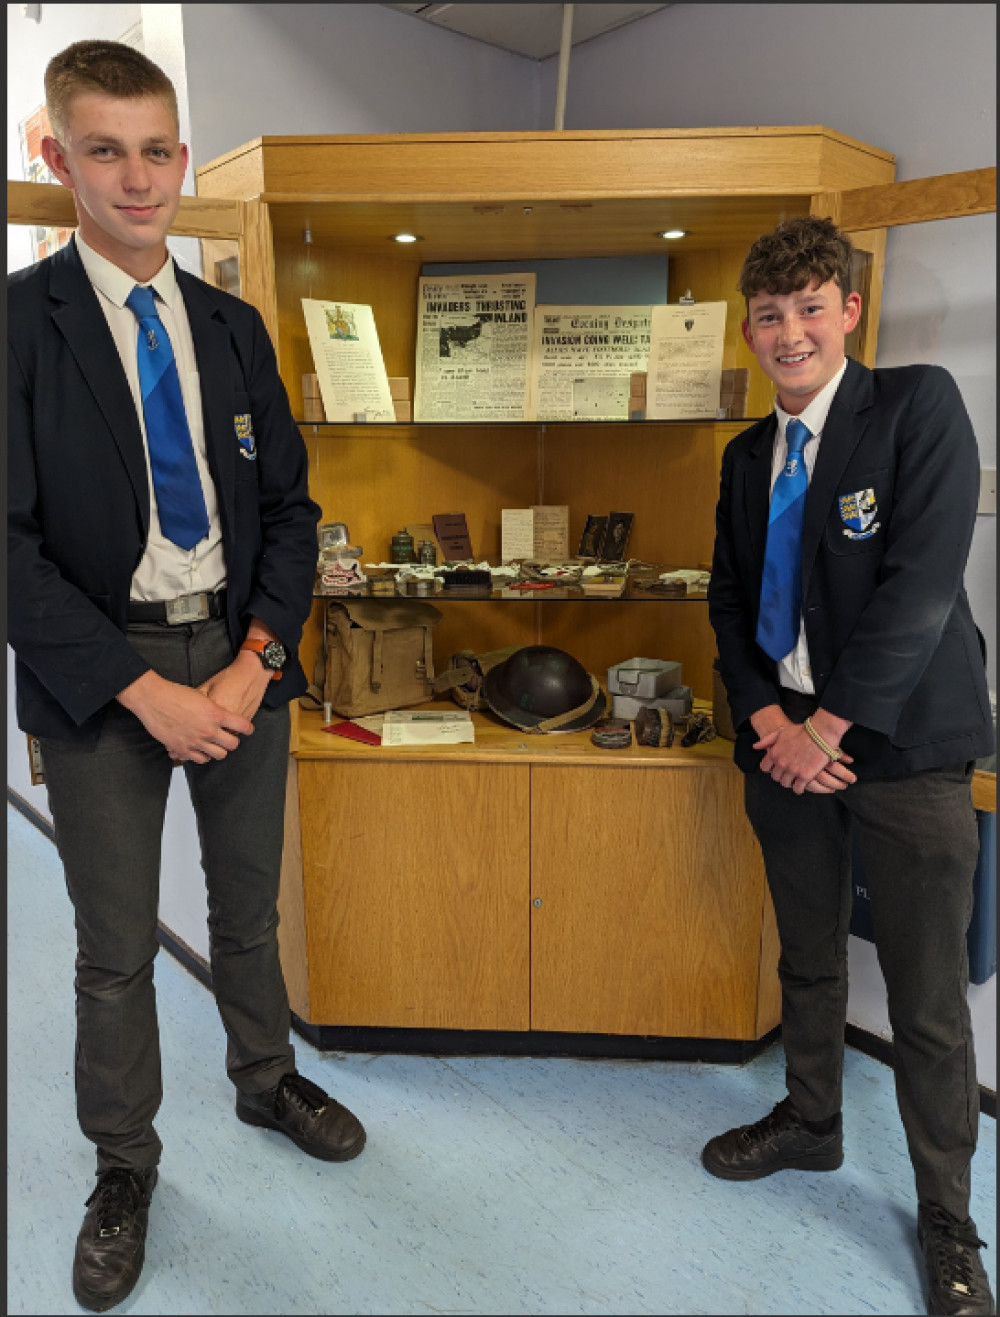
pixel 103 66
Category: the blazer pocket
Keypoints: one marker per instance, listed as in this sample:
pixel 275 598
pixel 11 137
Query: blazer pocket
pixel 860 513
pixel 944 703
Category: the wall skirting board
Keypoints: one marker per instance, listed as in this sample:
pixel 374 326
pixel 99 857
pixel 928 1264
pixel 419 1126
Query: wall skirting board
pixel 512 1043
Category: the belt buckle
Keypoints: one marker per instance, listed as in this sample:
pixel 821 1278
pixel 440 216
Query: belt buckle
pixel 189 608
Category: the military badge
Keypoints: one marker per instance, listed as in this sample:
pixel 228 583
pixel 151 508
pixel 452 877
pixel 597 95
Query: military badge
pixel 245 435
pixel 858 512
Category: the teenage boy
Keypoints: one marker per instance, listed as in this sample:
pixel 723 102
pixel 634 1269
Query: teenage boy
pixel 162 549
pixel 856 680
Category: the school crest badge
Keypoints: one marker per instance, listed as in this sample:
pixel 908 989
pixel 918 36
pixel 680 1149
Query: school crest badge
pixel 858 512
pixel 245 435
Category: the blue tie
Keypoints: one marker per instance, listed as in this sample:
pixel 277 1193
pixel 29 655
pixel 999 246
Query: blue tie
pixel 781 589
pixel 180 502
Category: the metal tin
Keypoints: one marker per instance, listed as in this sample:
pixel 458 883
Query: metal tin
pixel 427 553
pixel 643 678
pixel 611 734
pixel 401 547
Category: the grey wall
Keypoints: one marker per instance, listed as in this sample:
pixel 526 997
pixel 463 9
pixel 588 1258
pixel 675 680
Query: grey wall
pixel 257 70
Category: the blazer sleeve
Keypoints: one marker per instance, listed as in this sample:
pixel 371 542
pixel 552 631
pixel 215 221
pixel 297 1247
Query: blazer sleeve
pixel 928 538
pixel 63 635
pixel 285 571
pixel 747 674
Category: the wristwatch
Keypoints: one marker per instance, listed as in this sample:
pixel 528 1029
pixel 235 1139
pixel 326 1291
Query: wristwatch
pixel 272 653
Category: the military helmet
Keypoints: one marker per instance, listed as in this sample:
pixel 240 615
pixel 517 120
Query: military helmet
pixel 542 689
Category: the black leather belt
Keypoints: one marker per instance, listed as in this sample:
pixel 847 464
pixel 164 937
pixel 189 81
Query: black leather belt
pixel 188 608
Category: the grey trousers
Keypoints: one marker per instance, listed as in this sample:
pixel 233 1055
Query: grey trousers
pixel 108 801
pixel 920 846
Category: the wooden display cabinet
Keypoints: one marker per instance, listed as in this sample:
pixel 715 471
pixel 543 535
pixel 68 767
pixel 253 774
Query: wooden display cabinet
pixel 527 884
pixel 529 892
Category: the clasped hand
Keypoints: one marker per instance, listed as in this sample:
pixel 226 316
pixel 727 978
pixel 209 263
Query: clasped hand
pixel 794 760
pixel 196 726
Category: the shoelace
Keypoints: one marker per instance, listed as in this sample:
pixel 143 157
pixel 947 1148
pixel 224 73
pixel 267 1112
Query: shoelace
pixel 120 1194
pixel 762 1130
pixel 301 1092
pixel 953 1256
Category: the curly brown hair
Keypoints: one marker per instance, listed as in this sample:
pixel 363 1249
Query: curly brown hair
pixel 110 67
pixel 791 256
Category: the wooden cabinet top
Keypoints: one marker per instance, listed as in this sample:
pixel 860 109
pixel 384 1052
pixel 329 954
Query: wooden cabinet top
pixel 792 161
pixel 516 195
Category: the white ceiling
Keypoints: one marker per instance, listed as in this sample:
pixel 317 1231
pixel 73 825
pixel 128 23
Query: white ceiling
pixel 532 30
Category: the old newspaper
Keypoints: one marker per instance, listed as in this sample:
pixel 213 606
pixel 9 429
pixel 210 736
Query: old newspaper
pixel 583 357
pixel 473 347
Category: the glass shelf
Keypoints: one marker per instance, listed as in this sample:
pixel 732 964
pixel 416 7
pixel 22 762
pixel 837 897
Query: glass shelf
pixel 550 594
pixel 398 429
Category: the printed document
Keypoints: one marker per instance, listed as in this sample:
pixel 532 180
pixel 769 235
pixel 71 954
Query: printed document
pixel 348 361
pixel 685 361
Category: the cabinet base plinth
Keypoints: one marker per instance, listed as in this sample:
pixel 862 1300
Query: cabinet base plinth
pixel 500 1042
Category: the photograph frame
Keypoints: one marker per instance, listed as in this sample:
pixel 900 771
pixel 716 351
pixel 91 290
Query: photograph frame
pixel 592 538
pixel 614 547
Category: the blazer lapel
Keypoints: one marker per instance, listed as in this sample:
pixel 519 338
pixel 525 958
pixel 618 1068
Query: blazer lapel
pixel 79 319
pixel 757 489
pixel 214 352
pixel 845 425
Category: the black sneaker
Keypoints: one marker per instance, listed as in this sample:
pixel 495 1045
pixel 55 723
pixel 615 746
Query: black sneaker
pixel 111 1246
pixel 959 1286
pixel 312 1120
pixel 779 1142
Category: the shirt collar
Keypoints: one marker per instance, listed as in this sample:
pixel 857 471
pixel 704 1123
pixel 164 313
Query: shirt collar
pixel 116 285
pixel 814 416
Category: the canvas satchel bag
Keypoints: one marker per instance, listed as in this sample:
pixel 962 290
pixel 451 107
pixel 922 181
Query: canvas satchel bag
pixel 378 654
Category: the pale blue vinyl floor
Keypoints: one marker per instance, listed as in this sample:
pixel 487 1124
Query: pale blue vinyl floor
pixel 489 1185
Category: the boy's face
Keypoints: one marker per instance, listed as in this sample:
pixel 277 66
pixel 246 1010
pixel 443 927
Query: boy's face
pixel 798 338
pixel 125 165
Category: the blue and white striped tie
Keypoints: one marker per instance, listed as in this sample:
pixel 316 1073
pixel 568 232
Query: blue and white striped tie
pixel 180 502
pixel 781 588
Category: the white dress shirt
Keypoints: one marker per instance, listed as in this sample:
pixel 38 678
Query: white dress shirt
pixel 794 670
pixel 165 570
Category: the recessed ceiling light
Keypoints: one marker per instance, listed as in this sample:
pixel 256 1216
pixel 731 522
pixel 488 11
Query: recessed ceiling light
pixel 673 233
pixel 406 237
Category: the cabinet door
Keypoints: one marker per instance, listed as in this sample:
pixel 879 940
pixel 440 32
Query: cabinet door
pixel 648 904
pixel 415 893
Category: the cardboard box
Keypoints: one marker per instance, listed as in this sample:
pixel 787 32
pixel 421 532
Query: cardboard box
pixel 312 410
pixel 403 410
pixel 399 387
pixel 310 386
pixel 637 383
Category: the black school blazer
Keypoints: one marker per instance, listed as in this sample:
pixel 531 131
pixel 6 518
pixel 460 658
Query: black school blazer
pixel 78 508
pixel 892 643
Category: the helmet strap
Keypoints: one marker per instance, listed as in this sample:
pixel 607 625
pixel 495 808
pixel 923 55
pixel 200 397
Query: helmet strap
pixel 560 719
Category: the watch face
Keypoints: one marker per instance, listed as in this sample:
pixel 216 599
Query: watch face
pixel 274 655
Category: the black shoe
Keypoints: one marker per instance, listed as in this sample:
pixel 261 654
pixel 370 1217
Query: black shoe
pixel 312 1120
pixel 779 1142
pixel 111 1245
pixel 959 1286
